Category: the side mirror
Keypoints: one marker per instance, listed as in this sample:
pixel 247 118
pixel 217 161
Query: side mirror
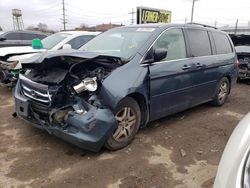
pixel 2 38
pixel 159 54
pixel 66 47
pixel 37 44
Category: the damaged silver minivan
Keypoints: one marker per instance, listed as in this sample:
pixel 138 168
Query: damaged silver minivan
pixel 103 93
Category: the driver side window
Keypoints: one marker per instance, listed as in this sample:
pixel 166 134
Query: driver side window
pixel 173 41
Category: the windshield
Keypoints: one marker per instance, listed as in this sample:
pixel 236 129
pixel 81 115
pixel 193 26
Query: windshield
pixel 119 42
pixel 242 49
pixel 52 40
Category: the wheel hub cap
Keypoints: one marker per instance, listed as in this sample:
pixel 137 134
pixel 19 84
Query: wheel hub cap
pixel 126 121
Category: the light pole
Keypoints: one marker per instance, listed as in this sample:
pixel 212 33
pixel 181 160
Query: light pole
pixel 192 13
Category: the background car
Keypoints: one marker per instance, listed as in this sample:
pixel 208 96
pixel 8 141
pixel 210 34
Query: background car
pixel 19 38
pixel 242 47
pixel 10 56
pixel 234 166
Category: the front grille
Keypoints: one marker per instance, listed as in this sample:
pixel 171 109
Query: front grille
pixel 32 93
pixel 35 91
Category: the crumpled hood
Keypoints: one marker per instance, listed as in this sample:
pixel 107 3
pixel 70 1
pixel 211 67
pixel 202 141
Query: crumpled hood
pixel 18 50
pixel 40 57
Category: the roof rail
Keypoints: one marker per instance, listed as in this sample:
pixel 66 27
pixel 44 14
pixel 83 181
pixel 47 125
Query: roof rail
pixel 204 25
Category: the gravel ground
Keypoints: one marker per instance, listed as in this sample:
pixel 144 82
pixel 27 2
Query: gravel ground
pixel 182 150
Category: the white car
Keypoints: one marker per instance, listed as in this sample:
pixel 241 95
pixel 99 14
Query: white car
pixel 10 56
pixel 234 167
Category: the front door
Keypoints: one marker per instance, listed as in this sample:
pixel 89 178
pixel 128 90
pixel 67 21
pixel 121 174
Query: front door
pixel 171 78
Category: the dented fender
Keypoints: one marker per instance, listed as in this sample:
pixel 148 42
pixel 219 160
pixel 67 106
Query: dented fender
pixel 119 84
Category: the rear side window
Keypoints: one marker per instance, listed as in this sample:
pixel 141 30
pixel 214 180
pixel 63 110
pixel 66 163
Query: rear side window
pixel 222 44
pixel 199 42
pixel 13 36
pixel 27 36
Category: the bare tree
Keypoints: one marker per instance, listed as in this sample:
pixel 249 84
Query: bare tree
pixel 83 26
pixel 42 27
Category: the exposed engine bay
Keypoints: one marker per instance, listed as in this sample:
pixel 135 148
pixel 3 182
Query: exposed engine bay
pixel 58 84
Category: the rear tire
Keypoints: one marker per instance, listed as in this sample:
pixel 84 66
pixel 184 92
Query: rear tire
pixel 128 115
pixel 221 92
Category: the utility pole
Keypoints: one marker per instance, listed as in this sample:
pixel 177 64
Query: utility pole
pixel 185 20
pixel 192 13
pixel 64 20
pixel 132 19
pixel 215 23
pixel 236 26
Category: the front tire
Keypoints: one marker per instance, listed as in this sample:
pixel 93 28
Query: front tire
pixel 221 92
pixel 128 116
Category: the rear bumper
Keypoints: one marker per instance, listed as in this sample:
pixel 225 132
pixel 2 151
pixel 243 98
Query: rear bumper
pixel 88 131
pixel 244 73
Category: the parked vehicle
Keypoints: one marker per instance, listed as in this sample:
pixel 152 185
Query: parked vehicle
pixel 234 166
pixel 11 57
pixel 124 78
pixel 242 47
pixel 19 38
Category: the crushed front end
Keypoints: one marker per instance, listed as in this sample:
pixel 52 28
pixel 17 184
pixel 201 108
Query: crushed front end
pixel 64 103
pixel 244 66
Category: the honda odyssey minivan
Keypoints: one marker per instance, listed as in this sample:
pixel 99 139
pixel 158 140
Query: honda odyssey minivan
pixel 124 78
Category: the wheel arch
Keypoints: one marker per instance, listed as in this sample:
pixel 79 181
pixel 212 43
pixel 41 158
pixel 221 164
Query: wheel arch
pixel 142 102
pixel 230 81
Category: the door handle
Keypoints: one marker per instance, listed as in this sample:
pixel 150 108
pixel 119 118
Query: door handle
pixel 199 65
pixel 186 67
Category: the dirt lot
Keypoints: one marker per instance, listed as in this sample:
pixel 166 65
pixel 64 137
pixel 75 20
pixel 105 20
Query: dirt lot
pixel 179 151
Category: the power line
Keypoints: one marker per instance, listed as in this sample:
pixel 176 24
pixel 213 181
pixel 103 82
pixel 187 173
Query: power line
pixel 94 13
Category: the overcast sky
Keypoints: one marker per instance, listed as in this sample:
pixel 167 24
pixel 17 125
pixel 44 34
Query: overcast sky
pixel 92 12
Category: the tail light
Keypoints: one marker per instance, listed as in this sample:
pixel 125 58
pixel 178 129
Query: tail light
pixel 236 64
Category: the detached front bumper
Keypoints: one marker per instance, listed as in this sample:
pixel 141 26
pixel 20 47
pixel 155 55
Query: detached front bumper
pixel 89 130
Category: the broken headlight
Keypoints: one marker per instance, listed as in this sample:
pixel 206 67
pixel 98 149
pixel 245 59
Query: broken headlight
pixel 87 84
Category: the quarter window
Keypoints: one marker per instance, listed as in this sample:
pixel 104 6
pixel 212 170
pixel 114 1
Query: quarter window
pixel 199 42
pixel 173 41
pixel 222 43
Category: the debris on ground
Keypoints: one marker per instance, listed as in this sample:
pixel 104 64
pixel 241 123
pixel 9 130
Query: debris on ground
pixel 183 152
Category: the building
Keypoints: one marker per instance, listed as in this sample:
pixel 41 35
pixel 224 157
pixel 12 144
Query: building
pixel 101 27
pixel 105 27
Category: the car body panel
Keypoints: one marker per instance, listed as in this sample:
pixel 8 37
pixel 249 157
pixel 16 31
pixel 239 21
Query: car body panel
pixel 160 88
pixel 230 169
pixel 12 54
pixel 242 46
pixel 170 87
pixel 18 50
pixel 22 41
pixel 89 130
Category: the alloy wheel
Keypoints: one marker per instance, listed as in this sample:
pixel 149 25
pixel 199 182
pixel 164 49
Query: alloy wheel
pixel 223 91
pixel 126 118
